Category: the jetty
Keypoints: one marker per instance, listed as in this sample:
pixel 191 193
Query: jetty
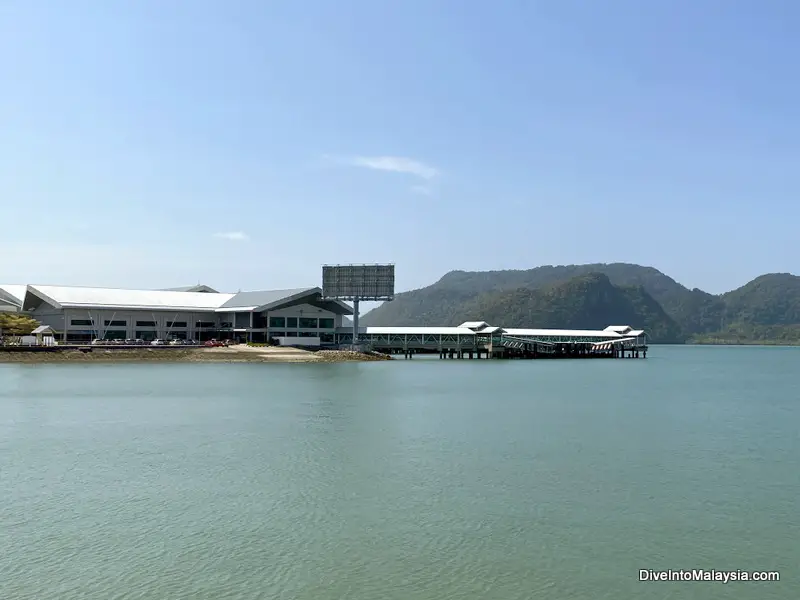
pixel 479 340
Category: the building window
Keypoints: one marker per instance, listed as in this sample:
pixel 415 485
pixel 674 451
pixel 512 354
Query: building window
pixel 176 324
pixel 226 325
pixel 277 322
pixel 308 334
pixel 115 335
pixel 326 323
pixel 291 322
pixel 145 323
pixel 259 321
pixel 277 334
pixel 147 336
pixel 205 324
pixel 116 323
pixel 308 322
pixel 79 337
pixel 81 322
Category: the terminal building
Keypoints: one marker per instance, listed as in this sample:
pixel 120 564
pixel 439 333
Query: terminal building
pixel 82 314
pixel 300 317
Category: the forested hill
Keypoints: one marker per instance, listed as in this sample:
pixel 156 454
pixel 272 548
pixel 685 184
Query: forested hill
pixel 766 309
pixel 584 302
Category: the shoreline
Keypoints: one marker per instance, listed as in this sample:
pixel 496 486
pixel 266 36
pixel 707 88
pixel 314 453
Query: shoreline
pixel 238 354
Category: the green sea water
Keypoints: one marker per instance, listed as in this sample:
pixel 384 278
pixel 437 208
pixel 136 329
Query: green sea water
pixel 420 479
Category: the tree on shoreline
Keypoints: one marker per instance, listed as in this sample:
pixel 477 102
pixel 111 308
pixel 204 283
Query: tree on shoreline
pixel 16 323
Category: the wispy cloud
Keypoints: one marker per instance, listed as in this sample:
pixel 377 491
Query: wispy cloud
pixel 234 236
pixel 422 190
pixel 394 164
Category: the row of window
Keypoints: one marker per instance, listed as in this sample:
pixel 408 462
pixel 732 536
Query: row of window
pixel 282 322
pixel 142 334
pixel 324 337
pixel 301 322
pixel 123 323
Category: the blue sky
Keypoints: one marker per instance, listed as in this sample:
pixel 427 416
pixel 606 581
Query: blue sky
pixel 245 143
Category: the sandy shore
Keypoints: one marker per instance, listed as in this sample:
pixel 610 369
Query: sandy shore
pixel 222 354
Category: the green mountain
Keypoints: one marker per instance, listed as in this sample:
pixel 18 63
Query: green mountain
pixel 766 309
pixel 584 302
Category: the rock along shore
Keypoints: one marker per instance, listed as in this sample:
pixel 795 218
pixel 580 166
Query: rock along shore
pixel 242 353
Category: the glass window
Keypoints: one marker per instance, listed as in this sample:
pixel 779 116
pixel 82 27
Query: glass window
pixel 145 323
pixel 201 324
pixel 79 337
pixel 326 323
pixel 277 334
pixel 226 325
pixel 80 322
pixel 115 335
pixel 260 321
pixel 180 324
pixel 277 322
pixel 116 323
pixel 147 336
pixel 308 322
pixel 291 322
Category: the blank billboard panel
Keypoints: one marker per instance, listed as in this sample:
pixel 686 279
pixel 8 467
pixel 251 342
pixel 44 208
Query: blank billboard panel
pixel 358 282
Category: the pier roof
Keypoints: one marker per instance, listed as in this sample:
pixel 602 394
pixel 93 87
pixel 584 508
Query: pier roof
pixel 607 333
pixel 410 330
pixel 621 329
pixel 474 324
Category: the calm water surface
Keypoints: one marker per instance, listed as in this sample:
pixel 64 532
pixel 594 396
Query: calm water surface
pixel 423 479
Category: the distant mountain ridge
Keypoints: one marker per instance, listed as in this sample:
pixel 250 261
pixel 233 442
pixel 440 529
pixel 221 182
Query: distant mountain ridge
pixel 766 309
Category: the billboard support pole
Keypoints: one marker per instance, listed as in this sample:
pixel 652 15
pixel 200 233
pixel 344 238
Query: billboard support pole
pixel 353 283
pixel 355 322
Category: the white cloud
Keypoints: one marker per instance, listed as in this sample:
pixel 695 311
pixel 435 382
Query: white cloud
pixel 394 164
pixel 234 236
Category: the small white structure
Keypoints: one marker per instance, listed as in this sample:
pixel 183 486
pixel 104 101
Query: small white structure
pixel 43 335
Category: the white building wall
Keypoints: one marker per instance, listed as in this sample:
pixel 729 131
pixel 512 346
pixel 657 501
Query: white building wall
pixel 305 310
pixel 94 321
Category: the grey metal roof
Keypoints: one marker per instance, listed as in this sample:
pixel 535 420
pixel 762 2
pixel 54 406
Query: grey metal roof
pixel 88 297
pixel 266 298
pixel 13 293
pixel 42 329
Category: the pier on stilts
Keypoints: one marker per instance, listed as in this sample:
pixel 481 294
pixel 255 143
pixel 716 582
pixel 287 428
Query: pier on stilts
pixel 478 340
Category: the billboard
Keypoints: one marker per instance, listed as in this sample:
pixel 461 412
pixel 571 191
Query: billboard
pixel 358 282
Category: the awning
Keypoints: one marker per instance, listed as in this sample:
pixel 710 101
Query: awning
pixel 607 345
